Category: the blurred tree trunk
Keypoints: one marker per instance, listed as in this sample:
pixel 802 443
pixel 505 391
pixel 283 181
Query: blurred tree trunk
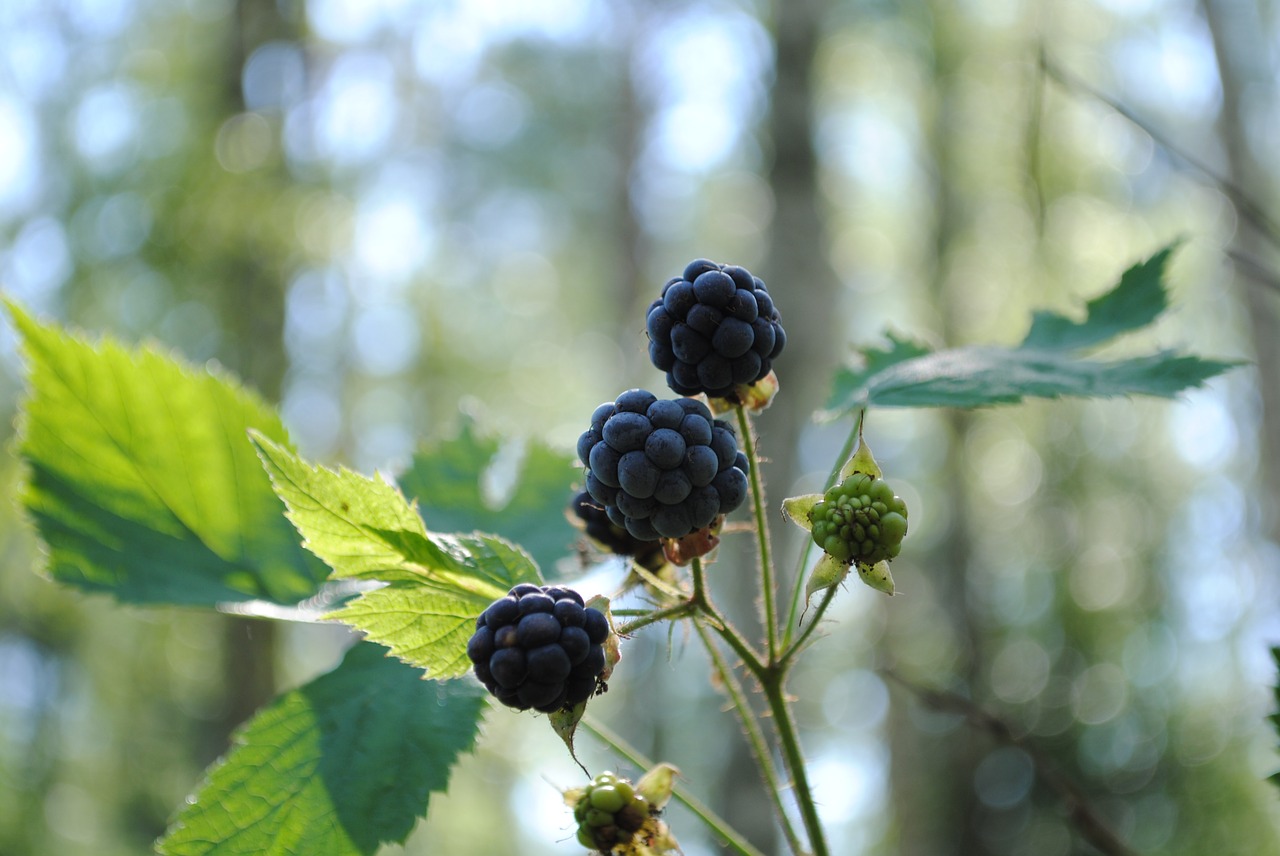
pixel 933 800
pixel 632 290
pixel 797 271
pixel 251 310
pixel 1246 67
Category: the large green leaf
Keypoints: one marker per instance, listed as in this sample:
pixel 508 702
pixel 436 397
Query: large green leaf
pixel 1045 365
pixel 142 482
pixel 446 480
pixel 337 767
pixel 363 528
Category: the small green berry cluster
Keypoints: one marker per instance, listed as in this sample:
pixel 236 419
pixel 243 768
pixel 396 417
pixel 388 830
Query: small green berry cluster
pixel 610 813
pixel 860 520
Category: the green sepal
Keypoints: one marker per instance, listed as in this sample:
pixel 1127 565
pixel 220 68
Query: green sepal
pixel 797 509
pixel 656 785
pixel 877 576
pixel 861 462
pixel 829 572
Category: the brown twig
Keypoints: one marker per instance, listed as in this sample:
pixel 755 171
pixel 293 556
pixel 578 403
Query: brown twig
pixel 1081 813
pixel 1249 210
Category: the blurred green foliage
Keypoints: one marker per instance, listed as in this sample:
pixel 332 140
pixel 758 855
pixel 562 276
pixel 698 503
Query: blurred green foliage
pixel 394 217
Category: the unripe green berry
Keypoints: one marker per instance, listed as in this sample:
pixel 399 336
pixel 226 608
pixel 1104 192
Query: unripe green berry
pixel 597 818
pixel 859 520
pixel 607 798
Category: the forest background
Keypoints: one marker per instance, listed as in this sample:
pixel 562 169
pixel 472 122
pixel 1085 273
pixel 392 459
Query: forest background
pixel 395 217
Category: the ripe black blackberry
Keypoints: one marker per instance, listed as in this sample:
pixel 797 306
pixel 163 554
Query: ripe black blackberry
pixel 591 517
pixel 539 647
pixel 713 329
pixel 661 468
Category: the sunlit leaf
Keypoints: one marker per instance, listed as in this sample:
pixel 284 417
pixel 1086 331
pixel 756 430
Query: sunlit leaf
pixel 363 528
pixel 337 767
pixel 141 479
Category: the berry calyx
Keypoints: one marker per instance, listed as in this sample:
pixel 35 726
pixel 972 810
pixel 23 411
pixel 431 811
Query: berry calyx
pixel 539 647
pixel 860 520
pixel 661 469
pixel 714 329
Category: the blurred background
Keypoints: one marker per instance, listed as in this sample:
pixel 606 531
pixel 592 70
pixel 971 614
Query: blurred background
pixel 389 215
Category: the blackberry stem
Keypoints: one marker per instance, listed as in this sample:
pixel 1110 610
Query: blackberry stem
pixel 677 610
pixel 794 649
pixel 793 757
pixel 701 601
pixel 755 737
pixel 767 582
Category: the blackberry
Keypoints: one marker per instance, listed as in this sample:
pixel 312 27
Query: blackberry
pixel 662 472
pixel 860 520
pixel 591 517
pixel 610 813
pixel 714 328
pixel 539 647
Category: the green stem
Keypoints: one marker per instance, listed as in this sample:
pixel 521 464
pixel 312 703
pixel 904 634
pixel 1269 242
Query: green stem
pixel 676 610
pixel 793 650
pixel 792 756
pixel 702 602
pixel 755 736
pixel 797 593
pixel 767 583
pixel 717 824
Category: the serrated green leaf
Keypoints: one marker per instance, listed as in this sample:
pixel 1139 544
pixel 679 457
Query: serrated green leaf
pixel 983 376
pixel 141 480
pixel 428 624
pixel 363 528
pixel 1135 302
pixel 445 479
pixel 337 767
pixel 1044 366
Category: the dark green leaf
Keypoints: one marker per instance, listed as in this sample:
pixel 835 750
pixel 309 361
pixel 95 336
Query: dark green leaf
pixel 446 480
pixel 337 767
pixel 981 376
pixel 364 528
pixel 907 374
pixel 1135 302
pixel 141 479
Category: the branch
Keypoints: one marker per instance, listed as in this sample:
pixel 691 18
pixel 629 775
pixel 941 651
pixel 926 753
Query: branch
pixel 1087 820
pixel 1249 210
